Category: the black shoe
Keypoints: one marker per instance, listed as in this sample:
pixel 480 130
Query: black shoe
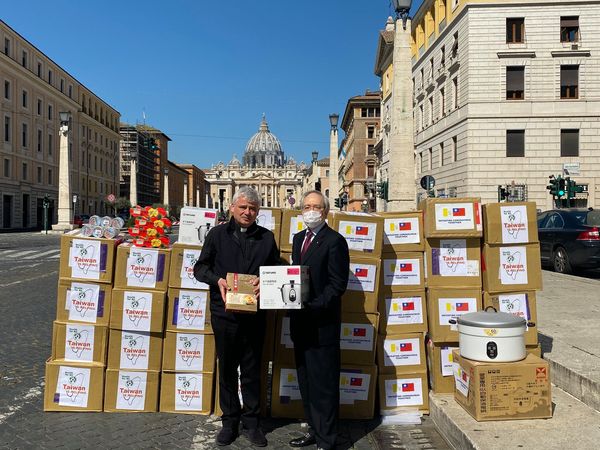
pixel 226 436
pixel 307 439
pixel 255 436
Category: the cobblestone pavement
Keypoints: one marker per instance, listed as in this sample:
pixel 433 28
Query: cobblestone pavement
pixel 27 309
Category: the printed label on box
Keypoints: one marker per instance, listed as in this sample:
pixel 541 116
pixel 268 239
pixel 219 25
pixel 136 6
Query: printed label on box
pixel 359 235
pixel 516 304
pixel 461 379
pixel 79 342
pixel 362 277
pixel 515 229
pixel 446 361
pixel 450 259
pixel 401 272
pixel 137 311
pixel 73 386
pixel 353 387
pixel 513 265
pixel 265 219
pixel 357 336
pixel 189 351
pixel 188 280
pixel 83 302
pixel 454 216
pixel 131 390
pixel 401 352
pixel 286 338
pixel 142 267
pixel 135 350
pixel 403 392
pixel 404 310
pixel 288 386
pixel 296 226
pixel 452 308
pixel 401 231
pixel 188 392
pixel 84 259
pixel 189 310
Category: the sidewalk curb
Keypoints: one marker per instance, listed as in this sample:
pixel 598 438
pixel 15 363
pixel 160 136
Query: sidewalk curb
pixel 447 427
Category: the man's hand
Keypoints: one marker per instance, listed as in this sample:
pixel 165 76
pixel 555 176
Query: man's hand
pixel 223 288
pixel 256 284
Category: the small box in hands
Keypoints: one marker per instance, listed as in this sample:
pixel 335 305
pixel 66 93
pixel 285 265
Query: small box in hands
pixel 240 297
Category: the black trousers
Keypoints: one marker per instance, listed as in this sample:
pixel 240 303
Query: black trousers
pixel 318 369
pixel 239 344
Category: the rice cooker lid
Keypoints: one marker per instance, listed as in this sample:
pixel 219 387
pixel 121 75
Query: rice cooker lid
pixel 484 319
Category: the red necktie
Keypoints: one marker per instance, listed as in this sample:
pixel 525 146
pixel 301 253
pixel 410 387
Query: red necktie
pixel 307 241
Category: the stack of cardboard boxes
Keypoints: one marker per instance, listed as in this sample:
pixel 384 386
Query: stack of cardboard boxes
pixel 75 371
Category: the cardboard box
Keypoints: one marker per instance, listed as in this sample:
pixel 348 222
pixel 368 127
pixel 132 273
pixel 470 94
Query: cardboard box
pixel 402 272
pixel 188 310
pixel 188 352
pixel 130 391
pixel 286 401
pixel 401 353
pixel 402 232
pixel 363 286
pixel 83 302
pixel 73 387
pixel 287 257
pixel 403 393
pixel 503 391
pixel 181 271
pixel 137 310
pixel 240 297
pixel 439 365
pixel 358 336
pixel 363 232
pixel 453 262
pixel 87 259
pixel 446 304
pixel 186 392
pixel 357 392
pixel 535 350
pixel 403 312
pixel 136 350
pixel 284 287
pixel 511 268
pixel 521 304
pixel 270 218
pixel 142 268
pixel 510 223
pixel 79 342
pixel 195 223
pixel 284 346
pixel 451 217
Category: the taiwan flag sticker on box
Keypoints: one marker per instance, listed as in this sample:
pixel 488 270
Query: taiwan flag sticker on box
pixel 362 277
pixel 283 287
pixel 402 232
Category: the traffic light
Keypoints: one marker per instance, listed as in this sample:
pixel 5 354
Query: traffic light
pixel 338 202
pixel 382 190
pixel 562 188
pixel 573 188
pixel 345 199
pixel 552 187
pixel 152 144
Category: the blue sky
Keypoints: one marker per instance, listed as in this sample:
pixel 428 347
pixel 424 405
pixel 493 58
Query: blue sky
pixel 204 72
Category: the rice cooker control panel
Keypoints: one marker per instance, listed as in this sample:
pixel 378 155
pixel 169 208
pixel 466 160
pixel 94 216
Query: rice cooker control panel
pixel 492 350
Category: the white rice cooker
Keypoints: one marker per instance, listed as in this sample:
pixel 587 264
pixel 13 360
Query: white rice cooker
pixel 492 336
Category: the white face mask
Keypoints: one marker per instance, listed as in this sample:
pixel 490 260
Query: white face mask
pixel 312 219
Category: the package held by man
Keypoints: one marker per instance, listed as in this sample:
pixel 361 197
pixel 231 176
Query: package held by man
pixel 181 272
pixel 130 391
pixel 503 391
pixel 283 287
pixel 240 297
pixel 85 302
pixel 452 217
pixel 510 223
pixel 195 223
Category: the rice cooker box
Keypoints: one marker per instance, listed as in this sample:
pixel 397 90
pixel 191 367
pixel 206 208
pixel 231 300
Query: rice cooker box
pixel 511 268
pixel 83 302
pixel 129 391
pixel 452 217
pixel 286 400
pixel 73 387
pixel 453 262
pixel 358 338
pixel 142 268
pixel 445 306
pixel 363 285
pixel 195 223
pixel 186 392
pixel 86 258
pixel 400 353
pixel 284 287
pixel 403 312
pixel 510 223
pixel 188 352
pixel 240 297
pixel 363 232
pixel 357 391
pixel 135 350
pixel 440 366
pixel 402 232
pixel 137 310
pixel 403 392
pixel 522 304
pixel 188 310
pixel 503 391
pixel 79 342
pixel 181 271
pixel 402 272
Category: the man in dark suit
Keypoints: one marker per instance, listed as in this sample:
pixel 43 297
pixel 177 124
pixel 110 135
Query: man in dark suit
pixel 315 329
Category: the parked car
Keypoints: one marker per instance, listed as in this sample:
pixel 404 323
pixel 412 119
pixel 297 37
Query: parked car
pixel 80 219
pixel 570 239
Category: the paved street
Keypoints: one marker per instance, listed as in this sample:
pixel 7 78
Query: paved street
pixel 29 265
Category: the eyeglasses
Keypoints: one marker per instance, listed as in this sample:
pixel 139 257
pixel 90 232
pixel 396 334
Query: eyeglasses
pixel 312 207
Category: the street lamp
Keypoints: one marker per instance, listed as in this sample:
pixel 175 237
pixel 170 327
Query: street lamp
pixel 133 177
pixel 334 189
pixel 315 156
pixel 65 207
pixel 333 120
pixel 402 7
pixel 185 192
pixel 166 188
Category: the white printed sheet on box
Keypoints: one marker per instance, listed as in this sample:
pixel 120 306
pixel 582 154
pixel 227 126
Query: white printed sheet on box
pixel 403 392
pixel 84 259
pixel 79 342
pixel 188 280
pixel 73 386
pixel 83 302
pixel 137 310
pixel 353 387
pixel 131 390
pixel 404 310
pixel 188 391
